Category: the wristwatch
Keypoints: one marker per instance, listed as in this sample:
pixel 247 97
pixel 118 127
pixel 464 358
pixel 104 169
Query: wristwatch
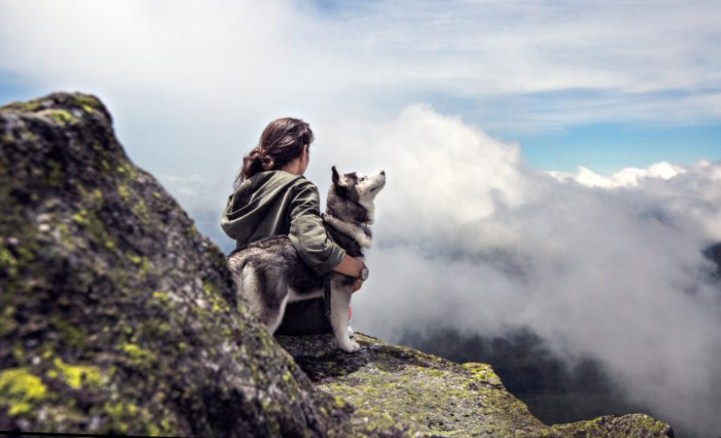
pixel 364 273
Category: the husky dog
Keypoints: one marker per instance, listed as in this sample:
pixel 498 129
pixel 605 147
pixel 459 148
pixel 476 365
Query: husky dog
pixel 270 274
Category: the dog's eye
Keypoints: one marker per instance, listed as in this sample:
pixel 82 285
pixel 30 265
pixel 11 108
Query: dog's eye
pixel 361 179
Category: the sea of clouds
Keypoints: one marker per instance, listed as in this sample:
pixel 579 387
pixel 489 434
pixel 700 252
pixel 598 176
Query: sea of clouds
pixel 611 268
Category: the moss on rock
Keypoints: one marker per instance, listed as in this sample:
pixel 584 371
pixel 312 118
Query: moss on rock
pixel 20 390
pixel 392 386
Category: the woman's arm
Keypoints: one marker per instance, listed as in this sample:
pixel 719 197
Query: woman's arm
pixel 307 233
pixel 311 241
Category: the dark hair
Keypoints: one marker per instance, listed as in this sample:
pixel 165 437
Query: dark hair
pixel 280 143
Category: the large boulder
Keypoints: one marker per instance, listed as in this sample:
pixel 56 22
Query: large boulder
pixel 116 315
pixel 393 385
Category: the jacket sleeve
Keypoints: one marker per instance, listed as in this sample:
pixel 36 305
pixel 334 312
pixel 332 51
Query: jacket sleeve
pixel 307 233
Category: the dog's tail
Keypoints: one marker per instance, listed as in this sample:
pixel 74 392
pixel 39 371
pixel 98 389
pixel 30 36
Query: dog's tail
pixel 237 263
pixel 264 290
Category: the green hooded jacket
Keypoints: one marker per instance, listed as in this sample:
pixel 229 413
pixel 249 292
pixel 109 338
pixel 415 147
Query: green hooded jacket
pixel 277 202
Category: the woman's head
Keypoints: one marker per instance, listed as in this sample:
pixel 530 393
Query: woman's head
pixel 281 142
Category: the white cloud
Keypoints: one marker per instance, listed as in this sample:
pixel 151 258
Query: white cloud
pixel 239 59
pixel 468 237
pixel 628 177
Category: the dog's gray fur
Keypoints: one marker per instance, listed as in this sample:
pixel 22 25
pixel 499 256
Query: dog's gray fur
pixel 270 274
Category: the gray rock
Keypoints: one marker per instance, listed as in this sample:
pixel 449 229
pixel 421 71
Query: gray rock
pixel 117 315
pixel 426 395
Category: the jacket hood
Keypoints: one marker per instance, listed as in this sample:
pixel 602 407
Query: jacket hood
pixel 252 200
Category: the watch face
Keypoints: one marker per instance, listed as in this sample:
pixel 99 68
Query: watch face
pixel 364 273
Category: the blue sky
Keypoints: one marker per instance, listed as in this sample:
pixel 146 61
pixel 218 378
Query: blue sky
pixel 604 85
pixel 608 147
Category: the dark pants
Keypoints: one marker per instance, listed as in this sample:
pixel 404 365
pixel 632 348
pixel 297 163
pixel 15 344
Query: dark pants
pixel 305 317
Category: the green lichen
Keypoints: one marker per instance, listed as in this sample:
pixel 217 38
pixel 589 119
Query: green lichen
pixel 18 354
pixel 7 320
pixel 161 296
pixel 138 355
pixel 87 103
pixel 125 417
pixel 60 116
pixel 19 390
pixel 145 267
pixel 392 386
pixel 143 263
pixel 95 228
pixel 483 373
pixel 137 204
pixel 633 425
pixel 124 192
pixel 25 107
pixel 134 258
pixel 76 376
pixel 66 237
pixel 12 262
pixel 121 415
pixel 126 170
pixel 217 304
pixel 96 199
pixel 92 199
pixel 182 347
pixel 650 424
pixel 81 217
pixel 140 209
pixel 8 262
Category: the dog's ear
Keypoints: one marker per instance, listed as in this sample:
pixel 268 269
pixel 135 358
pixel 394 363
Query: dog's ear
pixel 336 177
pixel 339 184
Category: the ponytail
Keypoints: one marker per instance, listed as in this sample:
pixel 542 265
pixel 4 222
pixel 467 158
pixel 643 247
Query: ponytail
pixel 280 143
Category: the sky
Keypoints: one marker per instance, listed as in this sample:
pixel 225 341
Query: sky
pixel 554 165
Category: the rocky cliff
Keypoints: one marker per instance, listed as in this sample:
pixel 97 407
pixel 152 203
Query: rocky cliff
pixel 116 316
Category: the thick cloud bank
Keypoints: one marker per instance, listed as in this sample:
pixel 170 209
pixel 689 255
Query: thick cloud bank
pixel 609 268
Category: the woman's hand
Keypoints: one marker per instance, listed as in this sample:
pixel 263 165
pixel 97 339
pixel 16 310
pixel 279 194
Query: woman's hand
pixel 351 267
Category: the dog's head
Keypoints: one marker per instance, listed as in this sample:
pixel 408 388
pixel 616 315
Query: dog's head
pixel 351 196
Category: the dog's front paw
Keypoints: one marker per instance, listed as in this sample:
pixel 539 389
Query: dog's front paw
pixel 349 346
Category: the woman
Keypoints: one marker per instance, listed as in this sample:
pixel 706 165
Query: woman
pixel 273 197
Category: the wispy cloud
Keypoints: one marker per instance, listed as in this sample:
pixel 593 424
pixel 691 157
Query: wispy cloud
pixel 279 53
